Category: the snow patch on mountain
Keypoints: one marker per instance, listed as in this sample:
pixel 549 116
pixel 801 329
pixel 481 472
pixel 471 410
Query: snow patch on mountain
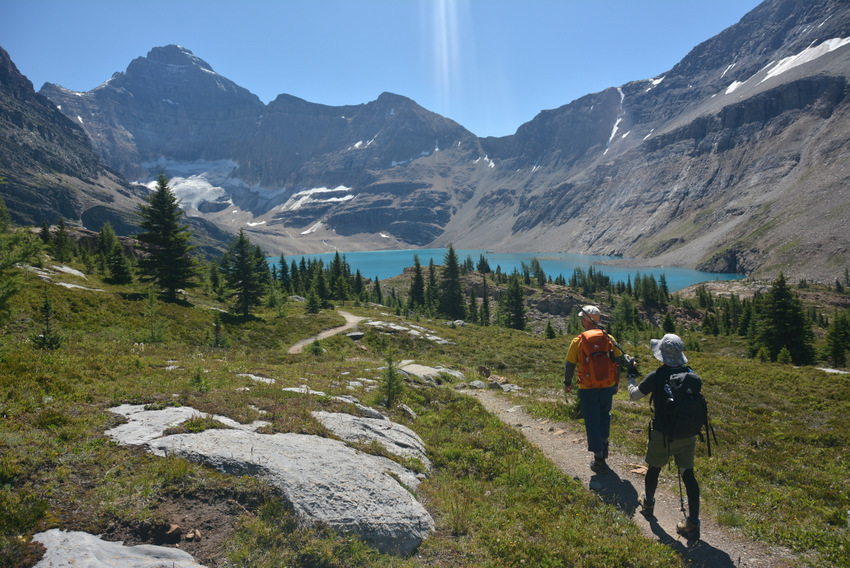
pixel 809 54
pixel 318 195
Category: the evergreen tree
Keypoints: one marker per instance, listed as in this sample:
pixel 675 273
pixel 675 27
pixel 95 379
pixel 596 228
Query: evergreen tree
pixel 119 266
pixel 48 338
pixel 296 285
pixel 669 325
pixel 483 266
pixel 246 273
pixel 165 241
pixel 537 272
pixel 625 317
pixel 549 333
pixel 44 235
pixel 484 318
pixel 63 248
pixel 320 283
pixel 512 304
pixel 283 276
pixel 314 303
pixel 451 294
pixel 106 240
pixel 431 288
pixel 663 290
pixel 838 340
pixel 472 311
pixel 358 287
pixel 781 322
pixel 377 294
pixel 416 300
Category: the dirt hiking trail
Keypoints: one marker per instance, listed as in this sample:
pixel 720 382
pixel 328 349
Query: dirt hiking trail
pixel 564 444
pixel 351 322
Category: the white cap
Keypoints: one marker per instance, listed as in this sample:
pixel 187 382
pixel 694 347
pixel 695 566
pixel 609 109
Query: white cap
pixel 591 312
pixel 669 349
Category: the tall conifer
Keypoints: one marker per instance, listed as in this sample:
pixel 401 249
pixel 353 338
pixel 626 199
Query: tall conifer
pixel 165 241
pixel 451 294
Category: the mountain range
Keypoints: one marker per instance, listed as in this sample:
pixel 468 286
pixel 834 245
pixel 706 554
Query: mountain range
pixel 735 160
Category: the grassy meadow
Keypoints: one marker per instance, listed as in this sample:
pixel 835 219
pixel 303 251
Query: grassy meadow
pixel 779 472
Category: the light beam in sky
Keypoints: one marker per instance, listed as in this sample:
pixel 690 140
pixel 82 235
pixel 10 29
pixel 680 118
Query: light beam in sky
pixel 445 35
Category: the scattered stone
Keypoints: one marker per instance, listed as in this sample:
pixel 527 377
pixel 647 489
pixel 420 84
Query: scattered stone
pixel 256 378
pixel 298 298
pixel 478 385
pixel 355 335
pixel 484 372
pixel 86 550
pixel 409 412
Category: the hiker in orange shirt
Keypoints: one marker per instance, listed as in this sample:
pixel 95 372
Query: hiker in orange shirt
pixel 592 355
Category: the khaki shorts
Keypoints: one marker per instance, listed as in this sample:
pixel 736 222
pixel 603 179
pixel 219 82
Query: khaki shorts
pixel 658 453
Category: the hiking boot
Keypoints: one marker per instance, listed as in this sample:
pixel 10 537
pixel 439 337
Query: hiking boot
pixel 688 529
pixel 647 507
pixel 598 465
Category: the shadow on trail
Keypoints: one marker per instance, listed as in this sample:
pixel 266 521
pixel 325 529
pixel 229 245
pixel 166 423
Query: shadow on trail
pixel 614 490
pixel 622 494
pixel 698 553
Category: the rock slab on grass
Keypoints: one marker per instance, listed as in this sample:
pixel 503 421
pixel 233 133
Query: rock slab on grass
pixel 395 438
pixel 83 550
pixel 324 480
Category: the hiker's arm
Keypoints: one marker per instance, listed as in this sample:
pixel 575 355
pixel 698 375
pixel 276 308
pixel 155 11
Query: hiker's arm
pixel 569 372
pixel 635 393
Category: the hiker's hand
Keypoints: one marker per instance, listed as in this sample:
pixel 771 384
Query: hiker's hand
pixel 631 366
pixel 568 389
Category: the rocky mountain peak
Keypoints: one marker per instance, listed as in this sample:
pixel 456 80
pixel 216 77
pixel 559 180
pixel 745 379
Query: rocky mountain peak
pixel 177 55
pixel 720 162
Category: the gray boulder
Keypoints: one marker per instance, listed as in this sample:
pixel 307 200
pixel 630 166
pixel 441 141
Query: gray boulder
pixel 324 480
pixel 84 550
pixel 395 438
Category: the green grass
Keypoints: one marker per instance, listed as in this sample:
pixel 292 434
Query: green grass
pixel 779 471
pixel 495 499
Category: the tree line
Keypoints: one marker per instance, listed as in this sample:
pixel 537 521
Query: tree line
pixel 774 324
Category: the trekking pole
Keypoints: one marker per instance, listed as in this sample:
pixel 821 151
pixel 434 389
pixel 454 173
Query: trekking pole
pixel 681 496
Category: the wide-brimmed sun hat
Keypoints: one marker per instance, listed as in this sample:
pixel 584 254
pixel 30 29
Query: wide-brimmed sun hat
pixel 592 312
pixel 669 349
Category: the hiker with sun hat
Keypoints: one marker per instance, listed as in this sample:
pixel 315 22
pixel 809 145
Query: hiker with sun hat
pixel 670 351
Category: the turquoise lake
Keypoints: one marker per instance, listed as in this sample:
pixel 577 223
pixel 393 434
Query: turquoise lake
pixel 385 264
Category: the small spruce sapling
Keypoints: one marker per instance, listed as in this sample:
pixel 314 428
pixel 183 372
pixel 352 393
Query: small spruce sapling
pixel 393 383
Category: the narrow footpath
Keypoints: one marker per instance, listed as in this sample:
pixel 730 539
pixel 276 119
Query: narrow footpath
pixel 351 322
pixel 565 446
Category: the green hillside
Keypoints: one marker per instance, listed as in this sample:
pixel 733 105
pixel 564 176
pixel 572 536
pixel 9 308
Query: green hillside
pixel 779 472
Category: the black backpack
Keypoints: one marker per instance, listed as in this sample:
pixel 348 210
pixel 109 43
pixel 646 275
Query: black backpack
pixel 681 409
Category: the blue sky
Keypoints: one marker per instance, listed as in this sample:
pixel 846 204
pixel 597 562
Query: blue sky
pixel 490 65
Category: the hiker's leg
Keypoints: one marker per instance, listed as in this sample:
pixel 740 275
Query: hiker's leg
pixel 650 482
pixel 590 410
pixel 692 489
pixel 606 400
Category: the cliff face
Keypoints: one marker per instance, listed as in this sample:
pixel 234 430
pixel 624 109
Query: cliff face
pixel 734 160
pixel 47 161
